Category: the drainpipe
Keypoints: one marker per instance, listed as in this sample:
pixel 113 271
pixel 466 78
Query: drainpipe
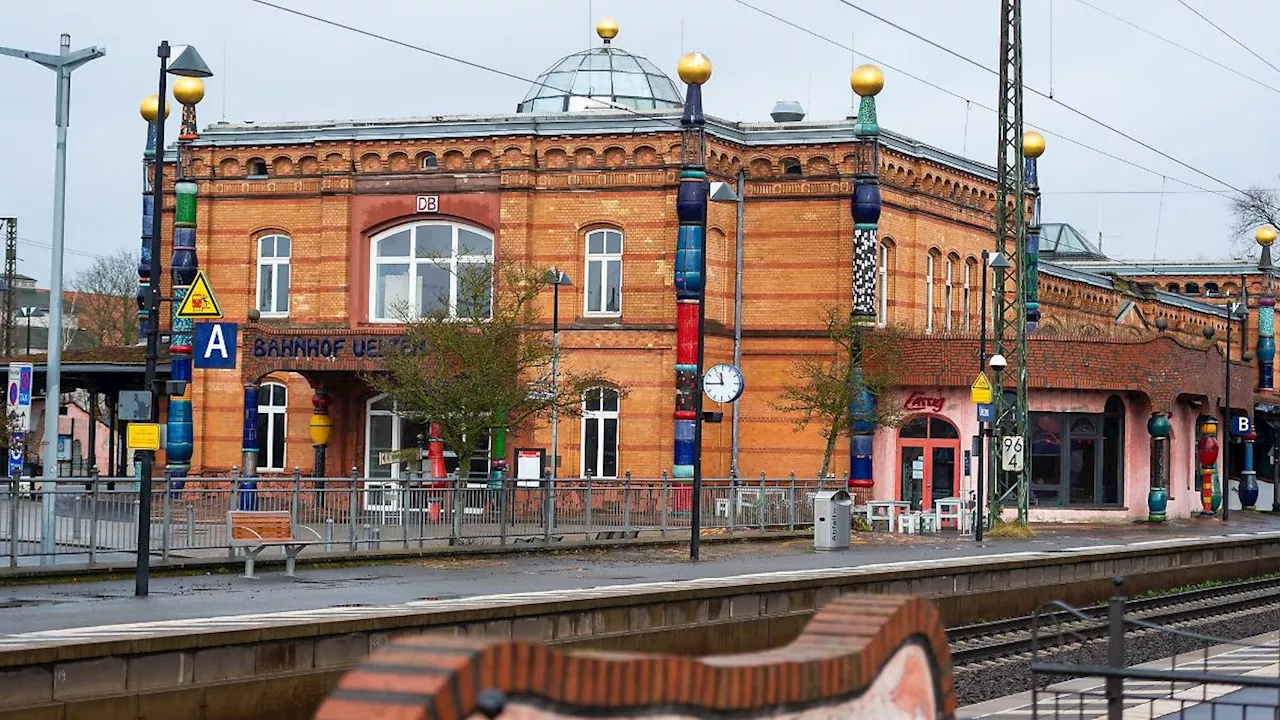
pixel 737 315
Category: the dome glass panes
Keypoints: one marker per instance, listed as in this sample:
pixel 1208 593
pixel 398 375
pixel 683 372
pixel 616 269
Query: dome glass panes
pixel 594 78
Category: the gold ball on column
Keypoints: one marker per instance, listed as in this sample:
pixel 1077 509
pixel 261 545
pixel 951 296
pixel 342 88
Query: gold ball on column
pixel 866 80
pixel 188 90
pixel 1032 144
pixel 1265 235
pixel 694 68
pixel 150 106
pixel 607 28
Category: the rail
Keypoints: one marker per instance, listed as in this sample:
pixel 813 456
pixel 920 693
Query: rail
pixel 95 520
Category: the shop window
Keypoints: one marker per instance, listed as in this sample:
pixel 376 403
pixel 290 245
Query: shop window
pixel 600 433
pixel 273 404
pixel 1078 459
pixel 431 268
pixel 273 275
pixel 604 273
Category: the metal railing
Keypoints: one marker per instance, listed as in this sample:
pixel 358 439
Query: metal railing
pixel 94 520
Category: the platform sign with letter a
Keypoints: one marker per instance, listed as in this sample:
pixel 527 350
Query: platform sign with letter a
pixel 215 346
pixel 199 302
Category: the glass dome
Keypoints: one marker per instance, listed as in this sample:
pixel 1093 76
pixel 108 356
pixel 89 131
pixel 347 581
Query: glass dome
pixel 582 80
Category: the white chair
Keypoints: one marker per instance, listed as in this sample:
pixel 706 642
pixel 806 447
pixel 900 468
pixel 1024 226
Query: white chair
pixel 909 523
pixel 930 522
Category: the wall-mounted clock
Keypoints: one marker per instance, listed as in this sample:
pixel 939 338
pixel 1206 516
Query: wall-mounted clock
pixel 723 383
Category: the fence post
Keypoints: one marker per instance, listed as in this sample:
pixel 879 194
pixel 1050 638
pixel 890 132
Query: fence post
pixel 14 538
pixel 235 503
pixel 763 503
pixel 75 517
pixel 93 515
pixel 455 532
pixel 791 503
pixel 665 497
pixel 295 501
pixel 587 535
pixel 351 511
pixel 168 515
pixel 732 510
pixel 822 480
pixel 626 503
pixel 1115 651
pixel 503 493
pixel 328 534
pixel 191 525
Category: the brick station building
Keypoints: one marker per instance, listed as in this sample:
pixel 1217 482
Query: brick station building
pixel 313 226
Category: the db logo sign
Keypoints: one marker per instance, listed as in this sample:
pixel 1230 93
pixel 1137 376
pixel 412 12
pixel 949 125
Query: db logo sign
pixel 428 204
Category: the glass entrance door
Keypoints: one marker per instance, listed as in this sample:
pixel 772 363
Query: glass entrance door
pixel 911 482
pixel 941 478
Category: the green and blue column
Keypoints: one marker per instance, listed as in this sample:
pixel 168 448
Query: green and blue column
pixel 1159 428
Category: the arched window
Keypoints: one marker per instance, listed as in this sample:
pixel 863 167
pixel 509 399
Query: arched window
pixel 600 433
pixel 604 273
pixel 1192 289
pixel 947 304
pixel 883 275
pixel 257 168
pixel 273 275
pixel 1174 288
pixel 273 404
pixel 1210 289
pixel 429 161
pixel 969 269
pixel 431 267
pixel 791 167
pixel 930 265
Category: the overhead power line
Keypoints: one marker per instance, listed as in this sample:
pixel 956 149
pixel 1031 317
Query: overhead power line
pixel 1229 36
pixel 70 251
pixel 1070 108
pixel 952 93
pixel 1178 45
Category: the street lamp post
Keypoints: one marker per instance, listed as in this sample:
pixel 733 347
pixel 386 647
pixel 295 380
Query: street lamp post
pixel 63 64
pixel 1232 307
pixel 187 64
pixel 983 428
pixel 556 278
pixel 1000 264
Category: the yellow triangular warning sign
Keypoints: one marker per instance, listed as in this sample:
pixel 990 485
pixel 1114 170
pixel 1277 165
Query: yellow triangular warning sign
pixel 199 302
pixel 980 391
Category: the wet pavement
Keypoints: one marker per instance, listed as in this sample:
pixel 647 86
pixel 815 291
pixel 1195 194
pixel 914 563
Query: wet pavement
pixel 70 604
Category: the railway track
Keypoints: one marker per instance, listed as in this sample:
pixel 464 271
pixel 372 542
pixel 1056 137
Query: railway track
pixel 999 639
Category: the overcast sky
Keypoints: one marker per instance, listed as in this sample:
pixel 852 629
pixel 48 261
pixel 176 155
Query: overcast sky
pixel 271 66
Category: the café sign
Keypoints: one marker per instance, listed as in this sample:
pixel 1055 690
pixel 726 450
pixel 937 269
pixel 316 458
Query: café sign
pixel 918 402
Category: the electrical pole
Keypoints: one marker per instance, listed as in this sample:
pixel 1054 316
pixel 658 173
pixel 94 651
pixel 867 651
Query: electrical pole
pixel 1009 336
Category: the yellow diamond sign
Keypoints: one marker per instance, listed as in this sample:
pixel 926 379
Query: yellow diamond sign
pixel 199 302
pixel 980 391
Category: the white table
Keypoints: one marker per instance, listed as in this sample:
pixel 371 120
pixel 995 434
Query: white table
pixel 886 510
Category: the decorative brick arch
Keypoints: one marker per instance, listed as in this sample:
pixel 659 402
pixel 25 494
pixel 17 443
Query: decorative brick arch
pixel 862 656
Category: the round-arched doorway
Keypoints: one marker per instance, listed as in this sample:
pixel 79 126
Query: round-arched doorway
pixel 928 466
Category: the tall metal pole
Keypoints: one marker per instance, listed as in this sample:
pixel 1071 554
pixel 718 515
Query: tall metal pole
pixel 1226 420
pixel 979 499
pixel 143 577
pixel 734 470
pixel 555 406
pixel 63 64
pixel 1010 239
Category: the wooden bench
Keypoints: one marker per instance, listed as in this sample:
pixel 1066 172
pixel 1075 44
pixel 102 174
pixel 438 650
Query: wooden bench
pixel 256 530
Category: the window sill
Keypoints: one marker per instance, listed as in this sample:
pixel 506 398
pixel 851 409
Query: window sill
pixel 273 315
pixel 273 471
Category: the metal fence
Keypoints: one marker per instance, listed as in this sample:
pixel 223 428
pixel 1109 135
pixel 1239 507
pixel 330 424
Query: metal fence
pixel 1219 679
pixel 95 520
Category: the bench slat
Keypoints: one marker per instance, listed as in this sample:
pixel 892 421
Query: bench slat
pixel 260 526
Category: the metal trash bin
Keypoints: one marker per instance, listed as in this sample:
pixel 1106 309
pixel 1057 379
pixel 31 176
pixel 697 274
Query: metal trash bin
pixel 832 522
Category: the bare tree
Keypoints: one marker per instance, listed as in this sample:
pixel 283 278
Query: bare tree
pixel 104 302
pixel 1256 206
pixel 479 366
pixel 827 386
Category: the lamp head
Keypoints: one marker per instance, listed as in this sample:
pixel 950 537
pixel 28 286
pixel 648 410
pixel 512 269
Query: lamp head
pixel 999 262
pixel 998 362
pixel 189 64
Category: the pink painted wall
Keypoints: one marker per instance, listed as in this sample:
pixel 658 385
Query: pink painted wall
pixel 1184 496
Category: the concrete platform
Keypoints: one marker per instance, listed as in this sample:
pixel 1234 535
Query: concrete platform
pixel 62 605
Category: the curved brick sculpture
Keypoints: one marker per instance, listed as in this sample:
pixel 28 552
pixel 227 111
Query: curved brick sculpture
pixel 862 656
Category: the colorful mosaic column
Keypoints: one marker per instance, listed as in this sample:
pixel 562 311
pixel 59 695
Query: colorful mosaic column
pixel 1248 491
pixel 321 428
pixel 179 442
pixel 867 81
pixel 1265 236
pixel 1158 427
pixel 150 106
pixel 1032 148
pixel 691 211
pixel 1207 456
pixel 435 452
pixel 249 441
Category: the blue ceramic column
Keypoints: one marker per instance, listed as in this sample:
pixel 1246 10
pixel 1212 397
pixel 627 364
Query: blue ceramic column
pixel 1248 491
pixel 1158 427
pixel 249 449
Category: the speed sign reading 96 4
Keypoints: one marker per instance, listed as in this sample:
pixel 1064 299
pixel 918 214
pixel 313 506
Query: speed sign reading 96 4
pixel 1011 453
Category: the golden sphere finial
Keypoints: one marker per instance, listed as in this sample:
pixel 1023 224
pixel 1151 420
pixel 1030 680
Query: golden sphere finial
pixel 694 68
pixel 188 90
pixel 150 106
pixel 607 29
pixel 1032 144
pixel 867 80
pixel 1265 235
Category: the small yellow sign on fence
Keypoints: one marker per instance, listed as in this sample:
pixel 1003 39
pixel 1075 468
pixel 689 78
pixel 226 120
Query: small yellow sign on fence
pixel 144 436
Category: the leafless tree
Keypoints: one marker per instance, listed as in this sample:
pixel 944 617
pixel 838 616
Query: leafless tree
pixel 104 301
pixel 1256 206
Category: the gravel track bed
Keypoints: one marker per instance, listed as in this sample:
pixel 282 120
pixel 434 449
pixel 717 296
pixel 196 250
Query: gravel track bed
pixel 989 680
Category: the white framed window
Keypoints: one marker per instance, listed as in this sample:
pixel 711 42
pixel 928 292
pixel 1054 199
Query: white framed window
pixel 882 296
pixel 273 405
pixel 273 274
pixel 600 433
pixel 604 273
pixel 428 267
pixel 968 295
pixel 928 293
pixel 946 293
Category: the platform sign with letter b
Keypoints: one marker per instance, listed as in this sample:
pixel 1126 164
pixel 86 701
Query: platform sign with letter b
pixel 1241 426
pixel 1011 453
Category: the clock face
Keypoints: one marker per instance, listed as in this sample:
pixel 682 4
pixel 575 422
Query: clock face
pixel 723 383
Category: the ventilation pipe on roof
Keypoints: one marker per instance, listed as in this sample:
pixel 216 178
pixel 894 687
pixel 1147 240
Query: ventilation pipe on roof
pixel 787 111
